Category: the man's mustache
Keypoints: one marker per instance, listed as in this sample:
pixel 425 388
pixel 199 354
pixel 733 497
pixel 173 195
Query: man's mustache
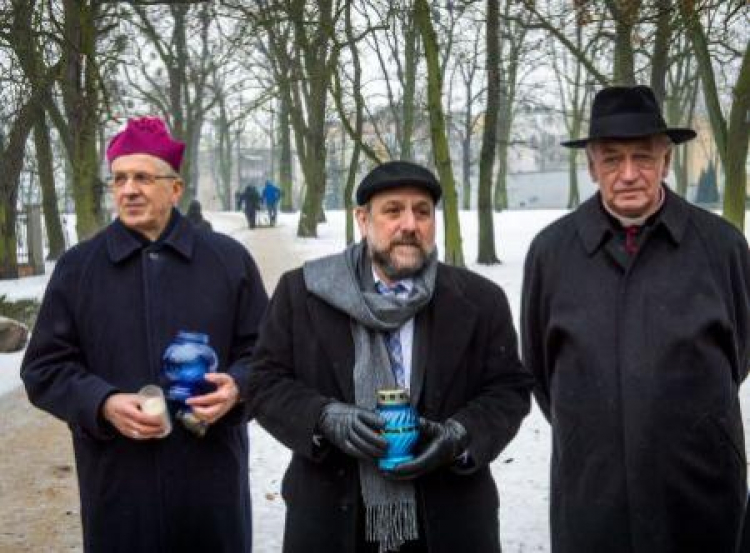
pixel 406 241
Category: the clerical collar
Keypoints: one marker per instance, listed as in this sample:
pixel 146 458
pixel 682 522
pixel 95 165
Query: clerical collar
pixel 636 221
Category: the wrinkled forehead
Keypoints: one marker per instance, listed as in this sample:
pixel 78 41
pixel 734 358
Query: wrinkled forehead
pixel 140 162
pixel 643 143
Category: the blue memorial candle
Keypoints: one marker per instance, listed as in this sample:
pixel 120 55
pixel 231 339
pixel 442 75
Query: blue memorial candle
pixel 401 426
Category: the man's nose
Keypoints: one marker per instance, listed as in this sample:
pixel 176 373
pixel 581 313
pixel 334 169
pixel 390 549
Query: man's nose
pixel 408 221
pixel 629 169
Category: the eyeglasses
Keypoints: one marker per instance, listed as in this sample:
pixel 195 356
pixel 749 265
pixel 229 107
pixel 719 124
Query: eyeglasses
pixel 118 180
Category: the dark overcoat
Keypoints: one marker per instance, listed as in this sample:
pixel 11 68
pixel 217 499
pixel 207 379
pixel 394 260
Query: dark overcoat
pixel 638 362
pixel 112 306
pixel 466 350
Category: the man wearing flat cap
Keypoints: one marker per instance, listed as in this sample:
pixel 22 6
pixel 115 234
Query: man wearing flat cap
pixel 636 324
pixel 386 314
pixel 113 305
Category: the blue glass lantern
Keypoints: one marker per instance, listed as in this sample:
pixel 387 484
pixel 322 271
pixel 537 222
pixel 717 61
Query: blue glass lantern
pixel 401 426
pixel 184 365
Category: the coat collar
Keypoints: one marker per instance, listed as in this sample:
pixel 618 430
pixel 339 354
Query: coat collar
pixel 594 227
pixel 122 243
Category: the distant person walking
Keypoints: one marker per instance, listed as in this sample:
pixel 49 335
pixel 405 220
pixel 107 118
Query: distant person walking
pixel 249 199
pixel 195 216
pixel 271 197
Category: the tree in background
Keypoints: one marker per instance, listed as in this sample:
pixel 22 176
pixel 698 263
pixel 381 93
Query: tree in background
pixel 486 253
pixel 733 132
pixel 441 151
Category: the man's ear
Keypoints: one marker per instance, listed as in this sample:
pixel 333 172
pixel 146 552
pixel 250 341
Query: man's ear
pixel 667 163
pixel 178 188
pixel 362 214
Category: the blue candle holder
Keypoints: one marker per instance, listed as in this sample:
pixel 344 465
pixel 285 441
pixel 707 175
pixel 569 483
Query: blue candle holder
pixel 401 426
pixel 185 363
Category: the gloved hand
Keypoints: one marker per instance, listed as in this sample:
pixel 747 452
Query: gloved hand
pixel 443 443
pixel 354 430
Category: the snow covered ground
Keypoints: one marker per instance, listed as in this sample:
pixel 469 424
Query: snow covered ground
pixel 521 470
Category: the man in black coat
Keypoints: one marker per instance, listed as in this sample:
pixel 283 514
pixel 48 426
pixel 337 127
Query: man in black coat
pixel 249 202
pixel 112 306
pixel 636 324
pixel 322 356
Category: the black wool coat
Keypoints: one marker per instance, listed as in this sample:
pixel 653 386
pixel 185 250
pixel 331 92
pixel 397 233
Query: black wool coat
pixel 112 306
pixel 638 362
pixel 466 348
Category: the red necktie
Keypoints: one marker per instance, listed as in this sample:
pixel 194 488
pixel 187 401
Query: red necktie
pixel 631 236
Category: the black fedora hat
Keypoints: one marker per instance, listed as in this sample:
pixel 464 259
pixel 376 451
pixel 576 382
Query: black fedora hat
pixel 628 112
pixel 396 174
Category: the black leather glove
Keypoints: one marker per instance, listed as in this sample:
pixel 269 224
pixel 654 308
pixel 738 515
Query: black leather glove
pixel 354 430
pixel 443 443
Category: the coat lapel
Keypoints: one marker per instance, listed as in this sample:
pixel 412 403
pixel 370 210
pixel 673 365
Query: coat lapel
pixel 332 329
pixel 451 324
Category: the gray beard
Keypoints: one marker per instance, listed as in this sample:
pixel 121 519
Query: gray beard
pixel 383 260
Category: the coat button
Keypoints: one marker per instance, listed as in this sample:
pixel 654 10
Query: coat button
pixel 153 256
pixel 340 473
pixel 344 507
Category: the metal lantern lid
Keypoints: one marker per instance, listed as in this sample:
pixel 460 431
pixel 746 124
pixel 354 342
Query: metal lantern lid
pixel 393 396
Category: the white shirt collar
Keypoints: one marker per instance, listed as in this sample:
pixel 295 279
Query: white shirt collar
pixel 407 283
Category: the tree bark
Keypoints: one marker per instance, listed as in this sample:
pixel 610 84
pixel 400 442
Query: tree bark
pixel 486 254
pixel 11 165
pixel 660 55
pixel 733 156
pixel 738 135
pixel 441 150
pixel 285 157
pixel 408 101
pixel 625 15
pixel 80 92
pixel 47 182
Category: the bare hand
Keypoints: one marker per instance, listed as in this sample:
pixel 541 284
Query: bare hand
pixel 124 412
pixel 211 407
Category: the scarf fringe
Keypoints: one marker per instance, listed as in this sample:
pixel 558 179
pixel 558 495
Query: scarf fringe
pixel 391 525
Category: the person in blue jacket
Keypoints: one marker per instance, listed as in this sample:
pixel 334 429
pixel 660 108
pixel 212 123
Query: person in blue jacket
pixel 113 305
pixel 271 195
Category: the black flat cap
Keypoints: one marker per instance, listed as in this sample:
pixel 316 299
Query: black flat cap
pixel 396 174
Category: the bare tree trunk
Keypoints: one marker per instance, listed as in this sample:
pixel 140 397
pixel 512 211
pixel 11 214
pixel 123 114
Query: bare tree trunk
pixel 224 166
pixel 11 165
pixel 735 189
pixel 47 183
pixel 453 250
pixel 733 154
pixel 486 254
pixel 81 100
pixel 625 15
pixel 511 49
pixel 285 157
pixel 411 47
pixel 660 55
pixel 466 164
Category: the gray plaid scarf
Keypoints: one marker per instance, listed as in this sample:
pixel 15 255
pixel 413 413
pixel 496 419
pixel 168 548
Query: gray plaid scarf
pixel 345 281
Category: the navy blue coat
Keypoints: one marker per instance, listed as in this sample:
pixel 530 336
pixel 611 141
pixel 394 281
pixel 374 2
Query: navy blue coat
pixel 638 363
pixel 112 306
pixel 465 348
